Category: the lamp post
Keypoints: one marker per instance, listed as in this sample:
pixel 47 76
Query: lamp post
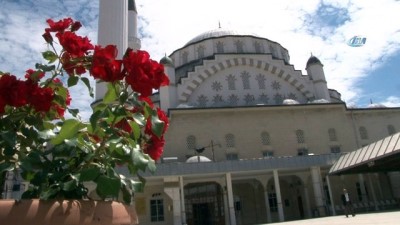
pixel 201 149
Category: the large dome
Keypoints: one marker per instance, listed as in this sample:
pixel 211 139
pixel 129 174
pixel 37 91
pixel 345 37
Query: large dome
pixel 219 33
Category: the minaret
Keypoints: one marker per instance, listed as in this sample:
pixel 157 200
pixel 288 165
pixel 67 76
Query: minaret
pixel 115 25
pixel 315 70
pixel 168 94
pixel 133 40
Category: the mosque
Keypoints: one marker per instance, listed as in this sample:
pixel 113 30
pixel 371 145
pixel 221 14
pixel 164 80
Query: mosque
pixel 251 139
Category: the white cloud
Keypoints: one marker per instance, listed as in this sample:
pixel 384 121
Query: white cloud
pixel 392 101
pixel 169 25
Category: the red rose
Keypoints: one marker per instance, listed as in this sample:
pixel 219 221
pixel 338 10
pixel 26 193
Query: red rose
pixel 105 66
pixel 13 91
pixel 144 74
pixel 75 26
pixel 34 75
pixel 154 148
pixel 72 66
pixel 40 98
pixel 59 26
pixel 75 45
pixel 47 37
pixel 124 125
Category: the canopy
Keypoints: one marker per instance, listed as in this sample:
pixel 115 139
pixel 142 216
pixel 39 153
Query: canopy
pixel 380 156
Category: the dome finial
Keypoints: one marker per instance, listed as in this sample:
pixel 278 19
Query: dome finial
pixel 219 24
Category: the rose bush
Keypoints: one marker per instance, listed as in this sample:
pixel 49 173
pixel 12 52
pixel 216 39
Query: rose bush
pixel 57 152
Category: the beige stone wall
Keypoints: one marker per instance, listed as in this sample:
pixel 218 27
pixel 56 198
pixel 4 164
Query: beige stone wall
pixel 281 122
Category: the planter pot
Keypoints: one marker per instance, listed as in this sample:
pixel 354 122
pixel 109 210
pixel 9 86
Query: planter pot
pixel 67 212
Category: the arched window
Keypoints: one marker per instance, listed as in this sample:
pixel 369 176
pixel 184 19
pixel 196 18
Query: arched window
pixel 391 129
pixel 185 57
pixel 200 51
pixel 363 133
pixel 265 138
pixel 300 136
pixel 191 142
pixel 239 46
pixel 220 47
pixel 230 140
pixel 332 134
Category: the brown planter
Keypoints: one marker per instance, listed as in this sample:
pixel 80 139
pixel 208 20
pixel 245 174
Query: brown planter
pixel 67 212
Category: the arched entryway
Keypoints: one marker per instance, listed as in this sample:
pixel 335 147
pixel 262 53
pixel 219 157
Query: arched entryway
pixel 293 198
pixel 204 204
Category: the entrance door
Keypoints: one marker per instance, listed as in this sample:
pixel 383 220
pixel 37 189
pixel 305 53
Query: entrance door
pixel 204 204
pixel 201 214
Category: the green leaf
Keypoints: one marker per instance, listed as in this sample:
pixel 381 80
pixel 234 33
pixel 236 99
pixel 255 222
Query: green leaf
pixel 50 193
pixel 68 130
pixel 50 56
pixel 46 134
pixel 70 185
pixel 157 126
pixel 74 112
pixel 45 68
pixel 9 138
pixel 107 186
pixel 87 83
pixel 111 94
pixel 5 166
pixel 72 81
pixel 94 118
pixel 89 174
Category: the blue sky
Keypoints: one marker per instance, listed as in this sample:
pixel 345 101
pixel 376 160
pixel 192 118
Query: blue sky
pixel 360 74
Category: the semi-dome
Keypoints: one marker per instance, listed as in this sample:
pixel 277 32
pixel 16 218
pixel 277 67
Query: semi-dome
pixel 220 32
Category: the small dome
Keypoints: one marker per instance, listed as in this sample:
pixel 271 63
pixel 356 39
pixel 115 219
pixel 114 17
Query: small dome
pixel 220 32
pixel 290 102
pixel 313 60
pixel 167 61
pixel 195 159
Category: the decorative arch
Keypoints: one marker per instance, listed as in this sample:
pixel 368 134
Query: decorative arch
pixel 211 67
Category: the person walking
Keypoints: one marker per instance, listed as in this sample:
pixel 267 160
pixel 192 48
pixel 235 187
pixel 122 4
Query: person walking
pixel 348 206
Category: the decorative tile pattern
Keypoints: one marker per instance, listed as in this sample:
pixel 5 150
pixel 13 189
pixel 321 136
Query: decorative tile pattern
pixel 216 86
pixel 245 79
pixel 218 100
pixel 276 85
pixel 231 82
pixel 292 96
pixel 249 99
pixel 233 100
pixel 263 98
pixel 278 98
pixel 260 78
pixel 202 101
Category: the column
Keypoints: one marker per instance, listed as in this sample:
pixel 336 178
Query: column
pixel 173 193
pixel 266 198
pixel 182 192
pixel 308 205
pixel 317 186
pixel 226 205
pixel 328 182
pixel 278 196
pixel 232 217
pixel 362 187
pixel 371 185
